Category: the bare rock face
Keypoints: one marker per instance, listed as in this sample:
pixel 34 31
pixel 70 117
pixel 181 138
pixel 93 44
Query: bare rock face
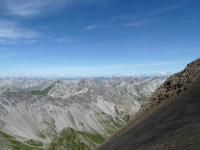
pixel 175 84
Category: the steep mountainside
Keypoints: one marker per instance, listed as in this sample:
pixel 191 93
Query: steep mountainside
pixel 83 105
pixel 170 119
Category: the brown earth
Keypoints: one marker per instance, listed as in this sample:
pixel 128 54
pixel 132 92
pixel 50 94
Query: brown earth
pixel 170 120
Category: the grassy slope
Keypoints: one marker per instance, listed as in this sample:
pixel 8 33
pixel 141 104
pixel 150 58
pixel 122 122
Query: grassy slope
pixel 69 139
pixel 45 91
pixel 17 145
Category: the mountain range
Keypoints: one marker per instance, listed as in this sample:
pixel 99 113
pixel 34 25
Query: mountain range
pixel 40 113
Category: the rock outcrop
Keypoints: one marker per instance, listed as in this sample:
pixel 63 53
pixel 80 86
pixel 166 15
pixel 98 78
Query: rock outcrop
pixel 175 85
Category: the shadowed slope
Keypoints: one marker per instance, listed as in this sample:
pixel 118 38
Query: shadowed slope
pixel 169 120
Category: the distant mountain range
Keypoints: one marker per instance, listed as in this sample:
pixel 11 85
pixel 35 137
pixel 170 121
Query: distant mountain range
pixel 37 111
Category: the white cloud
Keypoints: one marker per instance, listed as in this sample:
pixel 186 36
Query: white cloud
pixel 163 73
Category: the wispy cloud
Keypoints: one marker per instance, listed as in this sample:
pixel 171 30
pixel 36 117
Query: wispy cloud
pixel 92 27
pixel 12 32
pixel 64 40
pixel 110 67
pixel 128 17
pixel 7 54
pixel 140 20
pixel 157 64
pixel 134 24
pixel 165 9
pixel 117 66
pixel 29 8
pixel 24 9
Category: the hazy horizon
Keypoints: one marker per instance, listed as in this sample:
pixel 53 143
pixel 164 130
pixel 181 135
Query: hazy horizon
pixel 90 76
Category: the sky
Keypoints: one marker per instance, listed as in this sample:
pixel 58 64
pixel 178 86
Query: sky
pixel 97 37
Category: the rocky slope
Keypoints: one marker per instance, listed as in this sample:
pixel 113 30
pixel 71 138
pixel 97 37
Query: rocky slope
pixel 168 120
pixel 34 119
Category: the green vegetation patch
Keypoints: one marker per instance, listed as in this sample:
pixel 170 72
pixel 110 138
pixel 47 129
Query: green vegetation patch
pixel 70 139
pixel 34 143
pixel 17 145
pixel 126 118
pixel 141 97
pixel 45 91
pixel 111 124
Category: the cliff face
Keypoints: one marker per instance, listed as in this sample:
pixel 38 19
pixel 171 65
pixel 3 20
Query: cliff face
pixel 170 119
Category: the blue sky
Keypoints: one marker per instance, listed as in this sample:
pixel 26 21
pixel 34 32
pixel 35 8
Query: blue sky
pixel 97 37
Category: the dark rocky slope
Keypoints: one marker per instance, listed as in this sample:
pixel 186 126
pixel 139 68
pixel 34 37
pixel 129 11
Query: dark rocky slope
pixel 169 120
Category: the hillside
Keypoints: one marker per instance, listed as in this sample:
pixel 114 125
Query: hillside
pixel 68 138
pixel 170 119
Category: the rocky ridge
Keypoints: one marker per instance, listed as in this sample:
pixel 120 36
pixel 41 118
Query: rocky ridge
pixel 175 84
